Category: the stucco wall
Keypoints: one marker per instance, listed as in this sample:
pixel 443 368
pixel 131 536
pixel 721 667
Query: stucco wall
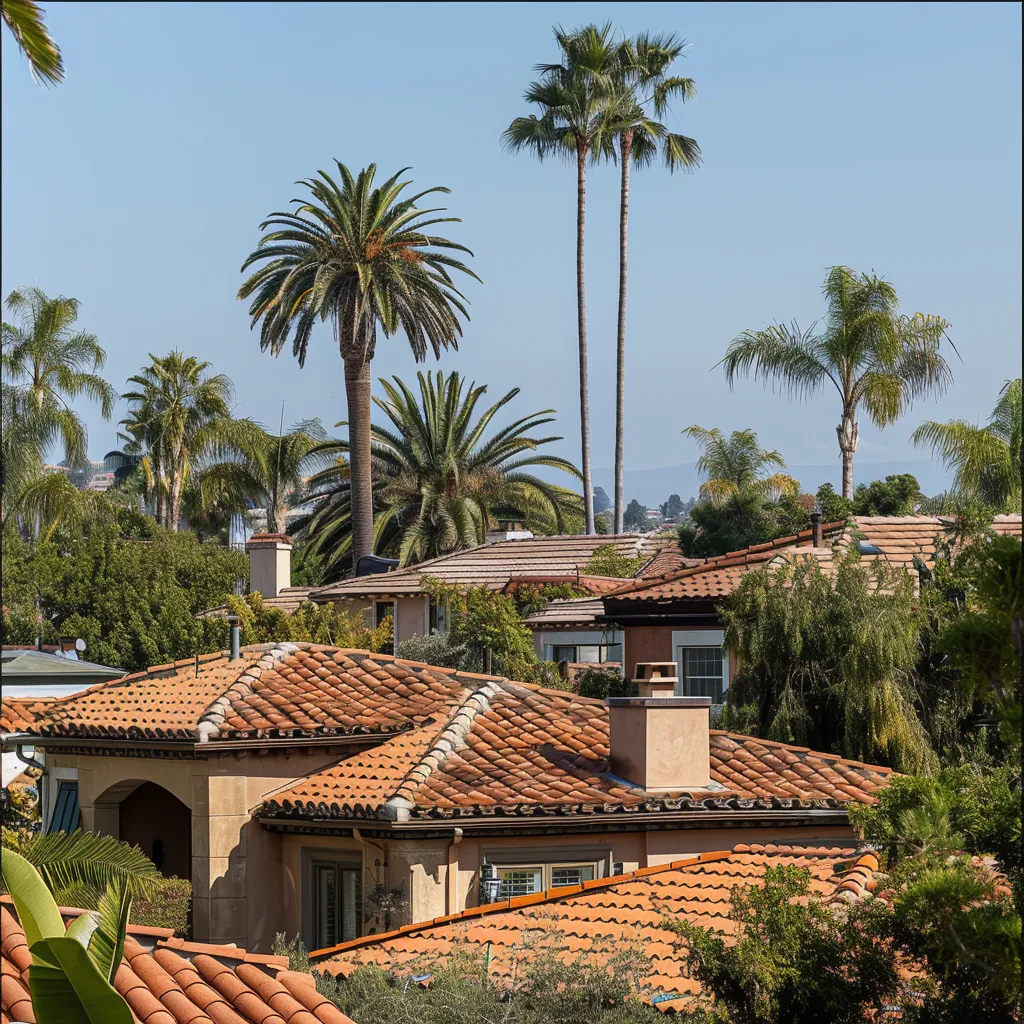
pixel 412 617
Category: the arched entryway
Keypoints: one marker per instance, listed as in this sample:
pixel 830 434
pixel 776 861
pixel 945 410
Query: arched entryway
pixel 155 820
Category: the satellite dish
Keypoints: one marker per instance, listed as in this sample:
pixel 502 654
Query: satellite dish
pixel 79 645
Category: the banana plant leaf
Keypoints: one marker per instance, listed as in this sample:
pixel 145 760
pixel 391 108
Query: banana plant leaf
pixel 106 945
pixel 72 991
pixel 36 908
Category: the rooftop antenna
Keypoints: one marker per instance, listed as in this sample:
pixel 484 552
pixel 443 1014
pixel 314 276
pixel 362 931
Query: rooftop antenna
pixel 277 474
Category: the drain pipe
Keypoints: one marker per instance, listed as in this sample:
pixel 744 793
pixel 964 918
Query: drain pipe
pixel 453 873
pixel 236 637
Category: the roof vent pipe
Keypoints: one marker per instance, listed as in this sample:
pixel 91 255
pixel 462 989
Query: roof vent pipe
pixel 236 637
pixel 816 529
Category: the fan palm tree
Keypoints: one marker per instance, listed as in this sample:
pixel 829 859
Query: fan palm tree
pixel 440 482
pixel 246 466
pixel 874 356
pixel 987 460
pixel 360 257
pixel 578 100
pixel 645 81
pixel 25 21
pixel 736 464
pixel 49 364
pixel 173 415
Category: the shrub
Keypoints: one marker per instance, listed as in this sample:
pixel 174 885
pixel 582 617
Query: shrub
pixel 600 683
pixel 293 948
pixel 167 904
pixel 435 649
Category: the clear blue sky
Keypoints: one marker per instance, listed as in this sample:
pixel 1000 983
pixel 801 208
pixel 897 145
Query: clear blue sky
pixel 886 137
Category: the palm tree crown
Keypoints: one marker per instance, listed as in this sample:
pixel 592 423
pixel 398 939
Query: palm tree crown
pixel 987 460
pixel 25 21
pixel 439 481
pixel 248 466
pixel 173 415
pixel 49 364
pixel 359 256
pixel 737 463
pixel 874 356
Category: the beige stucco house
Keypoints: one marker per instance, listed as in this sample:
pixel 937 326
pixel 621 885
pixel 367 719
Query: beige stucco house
pixel 292 782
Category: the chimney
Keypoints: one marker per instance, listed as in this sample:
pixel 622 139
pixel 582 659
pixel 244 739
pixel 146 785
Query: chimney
pixel 816 529
pixel 236 640
pixel 270 563
pixel 658 741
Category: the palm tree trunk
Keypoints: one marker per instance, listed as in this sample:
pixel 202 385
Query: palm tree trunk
pixel 357 392
pixel 847 433
pixel 626 146
pixel 581 311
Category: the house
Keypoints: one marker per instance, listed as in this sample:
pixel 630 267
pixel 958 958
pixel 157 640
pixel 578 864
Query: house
pixel 166 979
pixel 601 919
pixel 674 616
pixel 290 782
pixel 515 559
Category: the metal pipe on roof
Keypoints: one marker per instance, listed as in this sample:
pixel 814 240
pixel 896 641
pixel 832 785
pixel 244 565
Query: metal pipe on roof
pixel 236 637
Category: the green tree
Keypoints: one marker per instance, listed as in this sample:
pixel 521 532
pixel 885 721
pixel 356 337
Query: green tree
pixel 740 520
pixel 829 658
pixel 876 358
pixel 174 413
pixel 577 99
pixel 442 476
pixel 673 508
pixel 897 495
pixel 986 460
pixel 833 507
pixel 737 463
pixel 24 20
pixel 635 517
pixel 360 257
pixel 606 561
pixel 247 466
pixel 645 83
pixel 49 365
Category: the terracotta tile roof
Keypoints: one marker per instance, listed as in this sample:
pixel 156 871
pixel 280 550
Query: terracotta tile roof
pixel 167 981
pixel 603 917
pixel 493 565
pixel 899 539
pixel 287 690
pixel 581 612
pixel 668 559
pixel 510 749
pixel 17 714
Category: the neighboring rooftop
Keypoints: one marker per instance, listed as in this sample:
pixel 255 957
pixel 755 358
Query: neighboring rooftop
pixel 562 558
pixel 29 664
pixel 602 918
pixel 166 980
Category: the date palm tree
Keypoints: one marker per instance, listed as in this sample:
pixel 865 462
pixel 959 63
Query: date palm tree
pixel 645 82
pixel 737 463
pixel 359 256
pixel 247 466
pixel 49 365
pixel 986 460
pixel 173 415
pixel 876 358
pixel 578 100
pixel 24 20
pixel 440 481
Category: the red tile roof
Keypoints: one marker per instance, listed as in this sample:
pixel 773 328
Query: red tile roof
pixel 287 690
pixel 509 749
pixel 606 916
pixel 17 714
pixel 169 981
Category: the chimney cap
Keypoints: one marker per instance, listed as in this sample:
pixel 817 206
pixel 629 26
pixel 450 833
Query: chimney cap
pixel 268 538
pixel 658 702
pixel 646 670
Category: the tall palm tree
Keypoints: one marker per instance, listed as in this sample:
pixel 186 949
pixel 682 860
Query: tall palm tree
pixel 173 415
pixel 737 463
pixel 360 257
pixel 577 99
pixel 644 78
pixel 49 364
pixel 25 21
pixel 440 480
pixel 874 356
pixel 987 460
pixel 248 466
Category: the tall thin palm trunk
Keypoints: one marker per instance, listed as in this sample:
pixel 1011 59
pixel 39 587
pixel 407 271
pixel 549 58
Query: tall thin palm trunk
pixel 626 146
pixel 581 311
pixel 357 392
pixel 847 433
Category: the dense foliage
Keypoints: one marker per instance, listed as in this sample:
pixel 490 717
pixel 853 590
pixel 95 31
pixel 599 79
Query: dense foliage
pixel 745 517
pixel 608 561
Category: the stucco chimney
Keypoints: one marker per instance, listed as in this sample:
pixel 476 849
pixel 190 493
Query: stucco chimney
pixel 270 563
pixel 659 741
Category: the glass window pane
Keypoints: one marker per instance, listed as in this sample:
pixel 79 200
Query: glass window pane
pixel 66 813
pixel 350 905
pixel 571 874
pixel 702 671
pixel 520 881
pixel 563 652
pixel 588 654
pixel 326 905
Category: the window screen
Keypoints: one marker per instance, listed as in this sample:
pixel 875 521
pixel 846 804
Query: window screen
pixel 702 670
pixel 520 881
pixel 66 815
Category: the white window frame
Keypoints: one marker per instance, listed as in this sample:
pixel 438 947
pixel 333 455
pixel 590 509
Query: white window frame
pixel 49 785
pixel 547 869
pixel 701 638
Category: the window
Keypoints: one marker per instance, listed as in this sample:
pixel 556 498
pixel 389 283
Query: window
pixel 571 874
pixel 579 654
pixel 66 814
pixel 337 902
pixel 438 617
pixel 381 610
pixel 521 880
pixel 702 673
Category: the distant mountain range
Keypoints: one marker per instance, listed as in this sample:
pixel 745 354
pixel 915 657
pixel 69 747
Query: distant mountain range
pixel 652 486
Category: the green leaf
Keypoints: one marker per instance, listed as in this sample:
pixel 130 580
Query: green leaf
pixel 82 929
pixel 36 908
pixel 107 944
pixel 75 992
